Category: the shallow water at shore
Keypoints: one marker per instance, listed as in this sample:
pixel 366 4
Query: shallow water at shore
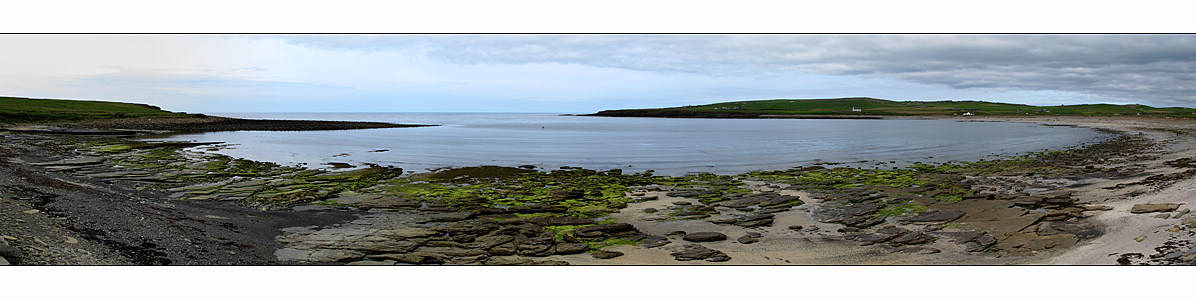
pixel 668 146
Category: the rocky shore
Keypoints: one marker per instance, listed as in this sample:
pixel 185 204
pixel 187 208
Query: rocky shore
pixel 99 200
pixel 213 123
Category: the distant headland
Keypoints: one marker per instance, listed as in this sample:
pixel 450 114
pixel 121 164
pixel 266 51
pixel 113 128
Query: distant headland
pixel 871 108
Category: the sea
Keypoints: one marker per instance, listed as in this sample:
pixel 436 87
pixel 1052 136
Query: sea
pixel 668 146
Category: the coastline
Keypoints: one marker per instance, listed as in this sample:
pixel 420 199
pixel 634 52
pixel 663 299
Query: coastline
pixel 214 124
pixel 775 247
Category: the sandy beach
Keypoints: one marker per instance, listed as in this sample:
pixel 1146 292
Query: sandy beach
pixel 48 216
pixel 1122 232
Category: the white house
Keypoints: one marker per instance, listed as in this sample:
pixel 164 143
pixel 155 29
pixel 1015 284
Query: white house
pixel 853 108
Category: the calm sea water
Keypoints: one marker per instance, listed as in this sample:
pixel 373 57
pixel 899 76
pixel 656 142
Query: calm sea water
pixel 668 146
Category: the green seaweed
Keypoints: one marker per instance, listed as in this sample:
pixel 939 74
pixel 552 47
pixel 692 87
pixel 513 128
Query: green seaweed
pixel 895 210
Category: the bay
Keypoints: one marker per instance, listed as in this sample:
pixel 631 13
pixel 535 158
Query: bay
pixel 667 146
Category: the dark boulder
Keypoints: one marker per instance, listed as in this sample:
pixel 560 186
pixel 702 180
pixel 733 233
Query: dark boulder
pixel 603 254
pixel 699 237
pixel 11 252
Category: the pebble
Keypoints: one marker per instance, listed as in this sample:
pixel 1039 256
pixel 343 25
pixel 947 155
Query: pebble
pixel 1181 213
pixel 1173 255
pixel 32 211
pixel 1162 216
pixel 71 240
pixel 9 237
pixel 1140 238
pixel 795 227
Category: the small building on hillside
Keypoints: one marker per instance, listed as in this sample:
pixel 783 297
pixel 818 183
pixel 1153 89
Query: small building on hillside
pixel 969 114
pixel 853 108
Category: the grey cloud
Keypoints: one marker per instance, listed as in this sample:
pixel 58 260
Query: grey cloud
pixel 1138 68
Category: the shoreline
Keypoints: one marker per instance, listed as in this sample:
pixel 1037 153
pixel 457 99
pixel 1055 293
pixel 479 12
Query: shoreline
pixel 777 240
pixel 209 124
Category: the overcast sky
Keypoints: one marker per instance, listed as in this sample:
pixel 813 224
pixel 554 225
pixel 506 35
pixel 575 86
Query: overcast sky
pixel 588 73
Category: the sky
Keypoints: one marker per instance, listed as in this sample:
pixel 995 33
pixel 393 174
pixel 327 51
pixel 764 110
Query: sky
pixel 584 73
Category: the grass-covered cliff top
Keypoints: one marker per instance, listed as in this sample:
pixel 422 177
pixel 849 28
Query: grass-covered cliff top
pixel 872 107
pixel 20 110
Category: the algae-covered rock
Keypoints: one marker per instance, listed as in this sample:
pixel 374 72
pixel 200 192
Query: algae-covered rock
pixel 561 221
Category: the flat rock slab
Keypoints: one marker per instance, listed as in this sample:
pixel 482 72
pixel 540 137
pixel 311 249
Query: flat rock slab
pixel 826 214
pixel 977 210
pixel 1154 207
pixel 937 216
pixel 1006 227
pixel 699 237
pixel 83 160
pixel 117 174
pixel 747 239
pixel 913 238
pixel 561 221
pixel 1051 242
pixel 310 207
pixel 654 241
pixel 914 250
pixel 353 198
pixel 571 248
pixel 390 202
pixel 372 263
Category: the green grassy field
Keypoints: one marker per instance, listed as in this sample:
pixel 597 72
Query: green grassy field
pixel 870 106
pixel 19 110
